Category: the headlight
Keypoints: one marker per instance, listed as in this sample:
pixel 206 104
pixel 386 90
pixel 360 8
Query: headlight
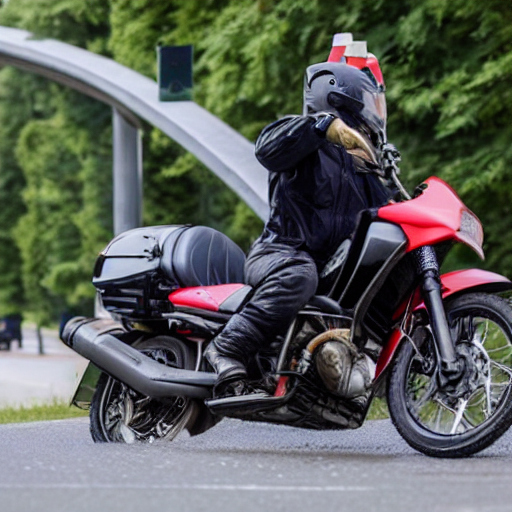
pixel 471 232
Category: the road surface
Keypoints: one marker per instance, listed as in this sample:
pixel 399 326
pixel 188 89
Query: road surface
pixel 239 466
pixel 236 466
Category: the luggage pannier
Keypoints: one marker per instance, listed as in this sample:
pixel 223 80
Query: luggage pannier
pixel 140 267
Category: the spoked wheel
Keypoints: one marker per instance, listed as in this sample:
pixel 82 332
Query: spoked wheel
pixel 121 415
pixel 460 418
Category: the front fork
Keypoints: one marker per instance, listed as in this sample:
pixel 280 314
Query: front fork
pixel 428 268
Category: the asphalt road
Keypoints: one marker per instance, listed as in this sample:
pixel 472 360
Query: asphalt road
pixel 236 466
pixel 239 466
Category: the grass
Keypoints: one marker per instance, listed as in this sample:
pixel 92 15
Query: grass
pixel 43 412
pixel 378 409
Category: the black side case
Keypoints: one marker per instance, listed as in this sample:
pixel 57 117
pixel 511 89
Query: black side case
pixel 140 267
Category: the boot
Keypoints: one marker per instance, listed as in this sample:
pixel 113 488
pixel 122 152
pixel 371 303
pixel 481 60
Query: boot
pixel 227 368
pixel 231 389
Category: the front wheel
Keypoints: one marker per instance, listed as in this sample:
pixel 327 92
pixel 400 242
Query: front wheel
pixel 119 414
pixel 463 417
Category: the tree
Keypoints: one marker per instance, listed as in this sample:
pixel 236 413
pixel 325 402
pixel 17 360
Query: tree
pixel 56 165
pixel 451 104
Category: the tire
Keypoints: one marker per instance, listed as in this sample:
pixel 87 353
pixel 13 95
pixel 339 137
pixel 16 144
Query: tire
pixel 119 414
pixel 468 416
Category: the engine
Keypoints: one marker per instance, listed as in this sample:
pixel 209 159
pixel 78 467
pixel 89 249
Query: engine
pixel 344 372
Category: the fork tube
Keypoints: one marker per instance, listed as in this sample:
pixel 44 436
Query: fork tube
pixel 428 269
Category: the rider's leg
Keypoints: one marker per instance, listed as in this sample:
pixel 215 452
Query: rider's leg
pixel 284 279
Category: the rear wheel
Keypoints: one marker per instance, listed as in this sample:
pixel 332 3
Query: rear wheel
pixel 119 414
pixel 461 418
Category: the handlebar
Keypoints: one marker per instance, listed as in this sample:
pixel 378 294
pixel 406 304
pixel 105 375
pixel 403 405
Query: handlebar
pixel 389 158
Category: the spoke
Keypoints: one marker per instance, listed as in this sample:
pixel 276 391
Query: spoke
pixel 502 367
pixel 500 384
pixel 487 382
pixel 466 422
pixel 110 422
pixel 458 416
pixel 498 349
pixel 488 394
pixel 140 408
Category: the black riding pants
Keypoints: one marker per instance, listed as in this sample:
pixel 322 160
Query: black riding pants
pixel 284 279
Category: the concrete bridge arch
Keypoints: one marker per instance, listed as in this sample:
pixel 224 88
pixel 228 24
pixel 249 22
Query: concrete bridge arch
pixel 134 97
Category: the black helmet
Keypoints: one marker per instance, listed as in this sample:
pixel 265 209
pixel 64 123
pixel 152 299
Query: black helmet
pixel 350 94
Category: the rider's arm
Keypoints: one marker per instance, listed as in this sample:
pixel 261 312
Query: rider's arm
pixel 284 143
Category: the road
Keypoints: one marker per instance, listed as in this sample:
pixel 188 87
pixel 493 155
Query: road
pixel 238 466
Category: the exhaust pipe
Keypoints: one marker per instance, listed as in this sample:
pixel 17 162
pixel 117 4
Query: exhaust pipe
pixel 97 340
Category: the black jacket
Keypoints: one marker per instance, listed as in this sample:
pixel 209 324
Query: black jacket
pixel 315 189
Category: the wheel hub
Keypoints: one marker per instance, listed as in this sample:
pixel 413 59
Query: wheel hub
pixel 475 372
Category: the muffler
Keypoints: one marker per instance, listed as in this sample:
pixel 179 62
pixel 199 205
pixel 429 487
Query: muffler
pixel 98 340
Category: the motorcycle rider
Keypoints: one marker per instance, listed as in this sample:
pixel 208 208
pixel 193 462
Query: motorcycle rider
pixel 320 178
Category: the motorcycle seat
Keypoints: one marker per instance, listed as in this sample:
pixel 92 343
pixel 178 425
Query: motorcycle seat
pixel 202 256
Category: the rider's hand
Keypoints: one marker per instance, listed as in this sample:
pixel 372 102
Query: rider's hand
pixel 340 133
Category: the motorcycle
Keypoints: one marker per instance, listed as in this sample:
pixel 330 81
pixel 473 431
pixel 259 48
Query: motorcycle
pixel 384 323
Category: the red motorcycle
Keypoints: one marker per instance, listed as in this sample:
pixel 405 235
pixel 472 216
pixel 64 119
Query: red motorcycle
pixel 384 323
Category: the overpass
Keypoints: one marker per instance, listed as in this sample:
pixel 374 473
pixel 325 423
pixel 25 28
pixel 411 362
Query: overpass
pixel 134 98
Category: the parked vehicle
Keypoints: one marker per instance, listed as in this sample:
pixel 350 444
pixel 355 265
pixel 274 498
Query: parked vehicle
pixel 10 330
pixel 384 323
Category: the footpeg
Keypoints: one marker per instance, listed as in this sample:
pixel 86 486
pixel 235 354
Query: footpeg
pixel 242 405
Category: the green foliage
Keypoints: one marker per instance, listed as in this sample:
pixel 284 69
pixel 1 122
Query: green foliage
pixel 67 195
pixel 55 163
pixel 451 106
pixel 136 29
pixel 378 409
pixel 50 197
pixel 447 66
pixel 74 21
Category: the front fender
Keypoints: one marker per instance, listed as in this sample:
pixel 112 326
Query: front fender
pixel 474 280
pixel 453 283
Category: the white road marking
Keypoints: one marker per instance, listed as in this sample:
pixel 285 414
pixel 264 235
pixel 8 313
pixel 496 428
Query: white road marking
pixel 199 487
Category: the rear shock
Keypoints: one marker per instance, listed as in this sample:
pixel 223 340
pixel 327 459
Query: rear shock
pixel 428 269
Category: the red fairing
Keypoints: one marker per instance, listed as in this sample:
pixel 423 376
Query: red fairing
pixel 388 351
pixel 432 217
pixel 204 297
pixel 453 282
